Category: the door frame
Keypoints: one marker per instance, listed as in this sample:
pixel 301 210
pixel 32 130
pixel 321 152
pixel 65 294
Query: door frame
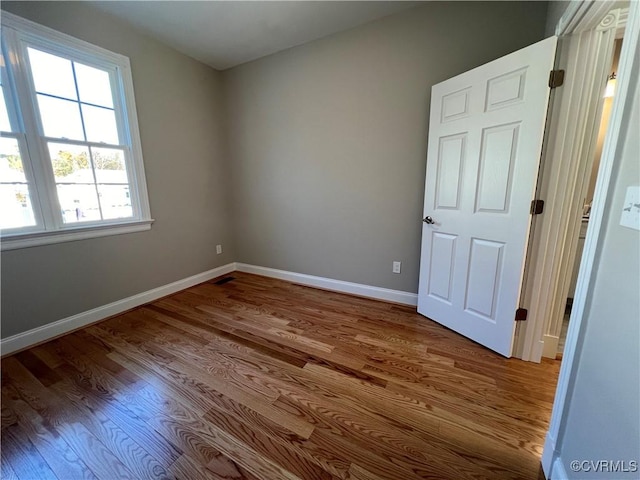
pixel 620 111
pixel 587 33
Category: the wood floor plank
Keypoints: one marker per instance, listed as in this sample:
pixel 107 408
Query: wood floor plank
pixel 50 359
pixel 264 362
pixel 282 453
pixel 356 472
pixel 213 334
pixel 6 472
pixel 255 378
pixel 187 467
pixel 67 421
pixel 248 399
pixel 100 459
pixel 38 368
pixel 22 456
pixel 60 457
pixel 8 415
pixel 275 334
pixel 164 389
pixel 144 450
pixel 367 430
pixel 232 448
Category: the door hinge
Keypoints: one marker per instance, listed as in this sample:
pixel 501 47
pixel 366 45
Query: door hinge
pixel 537 207
pixel 556 78
pixel 521 314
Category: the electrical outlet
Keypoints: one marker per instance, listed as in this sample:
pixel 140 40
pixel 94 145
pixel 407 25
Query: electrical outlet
pixel 396 267
pixel 218 249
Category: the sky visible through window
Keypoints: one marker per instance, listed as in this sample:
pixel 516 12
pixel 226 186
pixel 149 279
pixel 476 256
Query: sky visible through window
pixel 75 102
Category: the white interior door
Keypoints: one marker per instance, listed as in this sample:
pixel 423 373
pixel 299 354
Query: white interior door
pixel 485 139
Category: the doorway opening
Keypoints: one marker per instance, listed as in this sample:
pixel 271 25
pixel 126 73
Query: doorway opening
pixel 587 40
pixel 607 103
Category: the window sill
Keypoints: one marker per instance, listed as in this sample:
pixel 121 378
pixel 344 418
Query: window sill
pixel 14 242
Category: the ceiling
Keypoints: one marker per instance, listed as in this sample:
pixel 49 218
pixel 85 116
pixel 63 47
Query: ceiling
pixel 224 34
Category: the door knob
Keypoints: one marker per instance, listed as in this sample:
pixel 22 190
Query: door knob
pixel 428 220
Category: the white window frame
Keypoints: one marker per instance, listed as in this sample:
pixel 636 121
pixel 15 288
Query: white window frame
pixel 17 35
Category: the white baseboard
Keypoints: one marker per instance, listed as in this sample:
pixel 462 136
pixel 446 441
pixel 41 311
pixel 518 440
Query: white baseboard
pixel 66 325
pixel 386 294
pixel 548 454
pixel 550 348
pixel 558 472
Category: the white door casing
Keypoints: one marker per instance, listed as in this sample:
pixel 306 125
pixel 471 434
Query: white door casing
pixel 485 138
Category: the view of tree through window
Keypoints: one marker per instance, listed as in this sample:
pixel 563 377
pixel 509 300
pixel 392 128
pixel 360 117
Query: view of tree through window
pixel 91 182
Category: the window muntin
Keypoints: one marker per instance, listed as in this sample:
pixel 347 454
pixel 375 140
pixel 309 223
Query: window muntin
pixel 75 101
pixel 76 104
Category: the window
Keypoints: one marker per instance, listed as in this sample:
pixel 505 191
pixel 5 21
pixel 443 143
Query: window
pixel 70 158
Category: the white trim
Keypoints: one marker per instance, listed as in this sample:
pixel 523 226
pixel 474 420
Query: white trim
pixel 386 294
pixel 611 149
pixel 548 455
pixel 66 325
pixel 582 16
pixel 571 17
pixel 550 346
pixel 59 236
pixel 558 471
pixel 566 168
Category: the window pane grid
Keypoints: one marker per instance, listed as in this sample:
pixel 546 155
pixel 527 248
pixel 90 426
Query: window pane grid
pixel 91 182
pixel 89 121
pixel 81 105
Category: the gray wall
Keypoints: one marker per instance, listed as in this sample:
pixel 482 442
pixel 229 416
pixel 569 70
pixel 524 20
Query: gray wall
pixel 317 159
pixel 181 127
pixel 602 418
pixel 554 14
pixel 328 139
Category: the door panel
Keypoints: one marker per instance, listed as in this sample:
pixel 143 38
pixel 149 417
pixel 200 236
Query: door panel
pixel 485 139
pixel 505 90
pixel 498 152
pixel 442 259
pixel 450 164
pixel 483 283
pixel 455 105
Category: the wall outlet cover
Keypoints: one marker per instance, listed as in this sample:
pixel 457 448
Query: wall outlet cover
pixel 631 208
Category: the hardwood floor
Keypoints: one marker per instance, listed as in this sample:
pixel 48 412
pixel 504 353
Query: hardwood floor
pixel 257 378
